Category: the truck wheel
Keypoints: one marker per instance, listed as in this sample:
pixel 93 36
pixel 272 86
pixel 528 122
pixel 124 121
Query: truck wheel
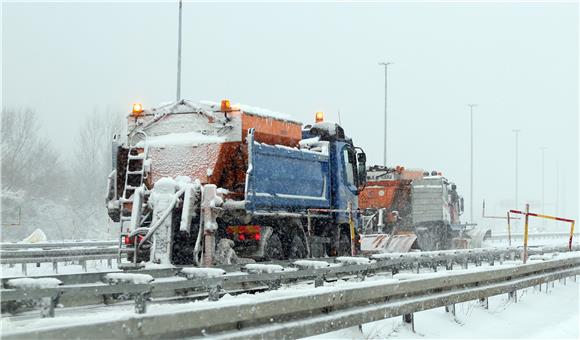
pixel 273 249
pixel 344 245
pixel 297 248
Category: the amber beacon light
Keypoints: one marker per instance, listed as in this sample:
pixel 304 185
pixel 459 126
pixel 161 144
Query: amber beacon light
pixel 319 117
pixel 137 109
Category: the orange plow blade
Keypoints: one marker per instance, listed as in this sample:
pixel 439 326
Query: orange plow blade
pixel 385 243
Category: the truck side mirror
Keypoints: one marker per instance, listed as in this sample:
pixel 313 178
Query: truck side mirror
pixel 361 159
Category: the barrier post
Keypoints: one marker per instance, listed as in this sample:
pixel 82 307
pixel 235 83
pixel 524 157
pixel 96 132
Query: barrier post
pixel 509 229
pixel 352 233
pixel 571 235
pixel 526 233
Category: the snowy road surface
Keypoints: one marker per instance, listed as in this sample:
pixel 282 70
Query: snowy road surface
pixel 536 315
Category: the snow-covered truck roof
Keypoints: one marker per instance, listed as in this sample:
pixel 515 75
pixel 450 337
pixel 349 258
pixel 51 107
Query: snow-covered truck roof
pixel 203 140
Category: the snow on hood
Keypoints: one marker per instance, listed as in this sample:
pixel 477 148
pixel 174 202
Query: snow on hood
pixel 184 139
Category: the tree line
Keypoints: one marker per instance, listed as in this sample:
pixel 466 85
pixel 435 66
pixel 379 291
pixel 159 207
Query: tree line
pixel 43 189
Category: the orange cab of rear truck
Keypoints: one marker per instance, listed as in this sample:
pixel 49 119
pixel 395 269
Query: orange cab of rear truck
pixel 409 208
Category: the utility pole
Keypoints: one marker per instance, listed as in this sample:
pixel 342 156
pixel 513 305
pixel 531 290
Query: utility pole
pixel 471 106
pixel 516 131
pixel 386 65
pixel 179 54
pixel 542 149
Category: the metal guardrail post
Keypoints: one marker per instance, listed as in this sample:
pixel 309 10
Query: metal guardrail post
pixel 449 265
pixel 409 322
pixel 47 306
pixel 141 303
pixel 484 302
pixel 319 281
pixel 213 292
pixel 450 309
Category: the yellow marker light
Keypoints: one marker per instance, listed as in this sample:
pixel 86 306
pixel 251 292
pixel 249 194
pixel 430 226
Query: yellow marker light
pixel 319 117
pixel 226 106
pixel 137 109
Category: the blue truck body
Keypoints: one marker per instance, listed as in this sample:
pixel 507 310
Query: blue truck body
pixel 293 180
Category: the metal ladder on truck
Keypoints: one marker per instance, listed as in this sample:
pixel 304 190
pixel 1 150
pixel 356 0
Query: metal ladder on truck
pixel 135 175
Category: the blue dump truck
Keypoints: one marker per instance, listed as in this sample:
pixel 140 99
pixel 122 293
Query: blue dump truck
pixel 207 184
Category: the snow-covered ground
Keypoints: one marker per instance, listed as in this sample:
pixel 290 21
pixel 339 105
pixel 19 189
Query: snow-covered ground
pixel 536 315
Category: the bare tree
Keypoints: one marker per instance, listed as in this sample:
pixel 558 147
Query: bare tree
pixel 93 156
pixel 33 178
pixel 29 162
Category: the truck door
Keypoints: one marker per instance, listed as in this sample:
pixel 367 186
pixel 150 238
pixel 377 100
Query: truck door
pixel 346 181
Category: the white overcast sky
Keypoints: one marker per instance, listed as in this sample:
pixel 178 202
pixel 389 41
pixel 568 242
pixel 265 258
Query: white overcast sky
pixel 517 61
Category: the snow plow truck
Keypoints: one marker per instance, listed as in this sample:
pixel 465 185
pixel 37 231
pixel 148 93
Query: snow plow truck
pixel 403 209
pixel 207 183
pixel 204 183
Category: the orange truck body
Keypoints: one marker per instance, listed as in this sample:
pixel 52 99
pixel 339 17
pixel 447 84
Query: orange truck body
pixel 222 163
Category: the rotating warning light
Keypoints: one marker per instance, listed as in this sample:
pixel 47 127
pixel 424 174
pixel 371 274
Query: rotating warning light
pixel 226 106
pixel 137 109
pixel 319 117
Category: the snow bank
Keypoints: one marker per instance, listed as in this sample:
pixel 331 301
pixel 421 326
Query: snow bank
pixel 311 264
pixel 191 273
pixel 263 268
pixel 115 278
pixel 29 283
pixel 353 260
pixel 384 256
pixel 411 276
pixel 37 236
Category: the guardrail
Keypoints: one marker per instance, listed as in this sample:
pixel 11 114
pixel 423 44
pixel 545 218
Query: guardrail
pixel 52 245
pixel 91 288
pixel 551 235
pixel 312 312
pixel 56 256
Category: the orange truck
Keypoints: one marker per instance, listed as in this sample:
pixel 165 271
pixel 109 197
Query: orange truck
pixel 404 209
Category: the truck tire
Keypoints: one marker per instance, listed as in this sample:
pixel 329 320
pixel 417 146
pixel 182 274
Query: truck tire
pixel 297 248
pixel 273 249
pixel 344 245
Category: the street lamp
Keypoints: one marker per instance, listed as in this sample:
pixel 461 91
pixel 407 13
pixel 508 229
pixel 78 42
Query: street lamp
pixel 178 95
pixel 516 131
pixel 386 65
pixel 542 149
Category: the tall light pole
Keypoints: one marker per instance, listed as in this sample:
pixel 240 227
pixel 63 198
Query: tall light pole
pixel 516 131
pixel 179 55
pixel 471 106
pixel 543 148
pixel 386 65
